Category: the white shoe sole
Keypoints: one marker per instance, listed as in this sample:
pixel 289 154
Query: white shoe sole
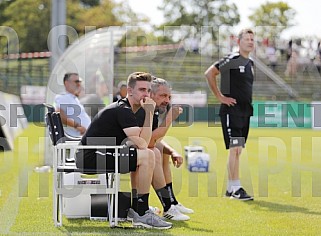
pixel 175 219
pixel 244 199
pixel 185 211
pixel 146 226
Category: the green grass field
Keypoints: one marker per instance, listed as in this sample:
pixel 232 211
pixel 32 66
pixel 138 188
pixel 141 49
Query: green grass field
pixel 281 167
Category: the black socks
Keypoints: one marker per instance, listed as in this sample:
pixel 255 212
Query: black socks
pixel 164 198
pixel 169 188
pixel 142 203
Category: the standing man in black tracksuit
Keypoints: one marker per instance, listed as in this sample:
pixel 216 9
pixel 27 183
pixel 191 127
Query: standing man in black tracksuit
pixel 236 109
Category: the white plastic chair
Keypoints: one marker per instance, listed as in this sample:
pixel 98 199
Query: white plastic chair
pixel 61 145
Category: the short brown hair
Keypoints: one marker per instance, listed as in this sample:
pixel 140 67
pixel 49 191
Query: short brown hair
pixel 245 31
pixel 138 76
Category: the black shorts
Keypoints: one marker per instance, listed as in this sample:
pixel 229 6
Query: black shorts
pixel 235 130
pixel 104 160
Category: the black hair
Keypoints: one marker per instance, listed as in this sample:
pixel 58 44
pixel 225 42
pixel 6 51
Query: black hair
pixel 68 75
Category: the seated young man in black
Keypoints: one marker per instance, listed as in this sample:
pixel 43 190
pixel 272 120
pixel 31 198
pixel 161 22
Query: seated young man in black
pixel 117 123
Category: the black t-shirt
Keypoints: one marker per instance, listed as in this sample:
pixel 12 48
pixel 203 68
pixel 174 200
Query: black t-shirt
pixel 109 123
pixel 237 82
pixel 140 116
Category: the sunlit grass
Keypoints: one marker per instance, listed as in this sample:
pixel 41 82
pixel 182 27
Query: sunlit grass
pixel 281 167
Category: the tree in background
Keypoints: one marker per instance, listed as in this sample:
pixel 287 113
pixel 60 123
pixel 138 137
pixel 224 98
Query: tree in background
pixel 31 19
pixel 270 19
pixel 99 16
pixel 200 13
pixel 3 6
pixel 90 3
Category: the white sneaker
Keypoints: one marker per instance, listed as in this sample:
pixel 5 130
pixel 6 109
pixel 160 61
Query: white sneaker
pixel 183 209
pixel 174 214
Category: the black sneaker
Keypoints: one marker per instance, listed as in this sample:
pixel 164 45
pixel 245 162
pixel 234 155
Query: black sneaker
pixel 241 195
pixel 228 194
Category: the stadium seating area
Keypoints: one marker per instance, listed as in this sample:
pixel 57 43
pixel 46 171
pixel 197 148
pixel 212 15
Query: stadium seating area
pixel 183 69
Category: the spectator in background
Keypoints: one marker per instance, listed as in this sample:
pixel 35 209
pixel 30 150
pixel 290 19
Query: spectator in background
pixel 72 112
pixel 292 65
pixel 122 91
pixel 319 49
pixel 289 50
pixel 271 55
pixel 192 45
pixel 317 59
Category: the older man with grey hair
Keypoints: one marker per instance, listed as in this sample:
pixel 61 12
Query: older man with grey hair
pixel 162 178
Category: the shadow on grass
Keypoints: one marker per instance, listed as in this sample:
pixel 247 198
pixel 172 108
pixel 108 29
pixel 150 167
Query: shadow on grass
pixel 277 207
pixel 125 228
pixel 102 227
pixel 197 230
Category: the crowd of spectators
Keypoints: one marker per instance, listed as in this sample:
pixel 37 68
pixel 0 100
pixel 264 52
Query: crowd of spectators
pixel 295 54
